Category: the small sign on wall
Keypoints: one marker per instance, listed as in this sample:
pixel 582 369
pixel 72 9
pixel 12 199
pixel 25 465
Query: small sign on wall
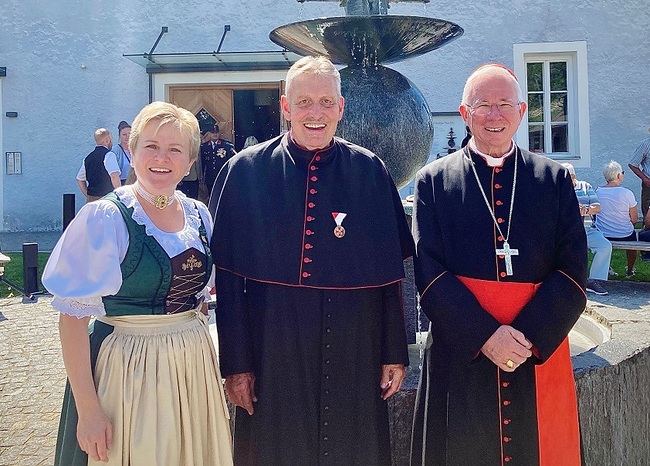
pixel 14 165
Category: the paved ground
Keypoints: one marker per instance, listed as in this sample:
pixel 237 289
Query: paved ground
pixel 32 377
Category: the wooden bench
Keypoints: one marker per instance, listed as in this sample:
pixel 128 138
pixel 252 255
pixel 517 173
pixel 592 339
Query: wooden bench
pixel 632 245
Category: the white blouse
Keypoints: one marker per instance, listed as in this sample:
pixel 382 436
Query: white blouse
pixel 85 263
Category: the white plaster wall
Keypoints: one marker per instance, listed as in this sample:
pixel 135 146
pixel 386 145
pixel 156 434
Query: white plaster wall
pixel 43 45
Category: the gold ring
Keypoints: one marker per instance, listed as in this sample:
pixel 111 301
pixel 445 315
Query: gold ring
pixel 510 364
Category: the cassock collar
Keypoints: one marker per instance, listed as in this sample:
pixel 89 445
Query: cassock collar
pixel 303 157
pixel 491 160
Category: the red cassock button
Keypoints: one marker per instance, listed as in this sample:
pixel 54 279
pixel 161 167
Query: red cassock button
pixel 305 274
pixel 500 238
pixel 314 178
pixel 308 246
pixel 498 170
pixel 313 168
pixel 503 274
pixel 500 220
pixel 312 191
pixel 506 439
pixel 506 403
pixel 309 232
pixel 506 421
pixel 306 260
pixel 309 218
pixel 497 186
pixel 317 158
pixel 311 205
pixel 507 459
pixel 499 203
pixel 505 384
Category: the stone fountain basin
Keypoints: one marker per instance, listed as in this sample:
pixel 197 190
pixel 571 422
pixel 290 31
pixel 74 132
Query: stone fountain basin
pixel 366 40
pixel 590 331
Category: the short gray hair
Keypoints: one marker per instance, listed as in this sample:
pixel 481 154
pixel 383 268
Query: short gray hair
pixel 314 65
pixel 611 170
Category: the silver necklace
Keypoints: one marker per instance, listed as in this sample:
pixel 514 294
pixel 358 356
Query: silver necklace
pixel 160 201
pixel 505 250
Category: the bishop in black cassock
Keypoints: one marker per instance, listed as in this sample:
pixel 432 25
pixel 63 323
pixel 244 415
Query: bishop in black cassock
pixel 483 262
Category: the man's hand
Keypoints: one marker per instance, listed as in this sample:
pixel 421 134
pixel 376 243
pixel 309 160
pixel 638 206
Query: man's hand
pixel 508 348
pixel 95 434
pixel 392 376
pixel 240 389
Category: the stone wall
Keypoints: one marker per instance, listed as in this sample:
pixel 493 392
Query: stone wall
pixel 614 404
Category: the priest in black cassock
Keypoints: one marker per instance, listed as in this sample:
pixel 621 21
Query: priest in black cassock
pixel 500 266
pixel 310 235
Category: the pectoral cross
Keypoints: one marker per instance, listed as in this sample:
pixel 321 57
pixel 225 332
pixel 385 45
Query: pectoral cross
pixel 507 253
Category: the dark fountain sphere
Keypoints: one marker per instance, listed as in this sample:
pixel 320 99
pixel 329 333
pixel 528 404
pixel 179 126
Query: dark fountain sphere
pixel 386 113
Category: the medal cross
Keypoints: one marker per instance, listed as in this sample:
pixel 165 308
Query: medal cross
pixel 507 253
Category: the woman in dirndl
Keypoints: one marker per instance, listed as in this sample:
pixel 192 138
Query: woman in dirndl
pixel 132 267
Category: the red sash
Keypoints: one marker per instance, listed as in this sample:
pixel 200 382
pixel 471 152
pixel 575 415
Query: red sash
pixel 557 408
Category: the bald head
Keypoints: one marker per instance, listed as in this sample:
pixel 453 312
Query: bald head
pixel 489 71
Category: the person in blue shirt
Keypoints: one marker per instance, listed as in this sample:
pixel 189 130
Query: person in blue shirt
pixel 596 241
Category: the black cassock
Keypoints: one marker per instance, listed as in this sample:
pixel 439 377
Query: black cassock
pixel 312 313
pixel 468 411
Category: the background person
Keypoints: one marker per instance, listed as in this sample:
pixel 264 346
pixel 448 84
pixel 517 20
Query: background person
pixel 146 385
pixel 121 150
pixel 99 173
pixel 618 211
pixel 310 234
pixel 250 141
pixel 215 152
pixel 501 268
pixel 640 165
pixel 596 241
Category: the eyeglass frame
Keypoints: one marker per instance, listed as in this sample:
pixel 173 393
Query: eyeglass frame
pixel 474 108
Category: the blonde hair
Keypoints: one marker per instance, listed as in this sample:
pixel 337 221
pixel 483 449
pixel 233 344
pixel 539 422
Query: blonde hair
pixel 313 65
pixel 164 113
pixel 101 134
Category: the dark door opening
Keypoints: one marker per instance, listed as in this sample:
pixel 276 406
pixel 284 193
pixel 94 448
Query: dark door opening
pixel 256 113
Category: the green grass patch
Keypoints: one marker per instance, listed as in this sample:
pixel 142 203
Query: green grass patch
pixel 14 270
pixel 619 264
pixel 14 273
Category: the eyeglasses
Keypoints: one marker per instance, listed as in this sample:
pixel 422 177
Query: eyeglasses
pixel 483 108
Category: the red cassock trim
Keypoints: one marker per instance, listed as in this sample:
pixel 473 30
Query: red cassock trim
pixel 557 408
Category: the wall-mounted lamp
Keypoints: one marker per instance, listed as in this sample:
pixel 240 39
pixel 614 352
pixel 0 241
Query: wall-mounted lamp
pixel 11 114
pixel 3 71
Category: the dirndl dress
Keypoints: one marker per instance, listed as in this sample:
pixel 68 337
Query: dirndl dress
pixel 154 363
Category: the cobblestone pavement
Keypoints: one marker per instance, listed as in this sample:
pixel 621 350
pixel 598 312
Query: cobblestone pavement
pixel 32 377
pixel 32 380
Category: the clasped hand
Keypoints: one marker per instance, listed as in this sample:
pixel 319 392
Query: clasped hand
pixel 507 344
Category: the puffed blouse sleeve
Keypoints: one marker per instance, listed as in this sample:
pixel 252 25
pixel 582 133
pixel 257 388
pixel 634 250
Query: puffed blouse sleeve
pixel 85 263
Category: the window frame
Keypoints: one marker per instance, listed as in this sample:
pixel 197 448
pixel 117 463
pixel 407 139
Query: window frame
pixel 575 56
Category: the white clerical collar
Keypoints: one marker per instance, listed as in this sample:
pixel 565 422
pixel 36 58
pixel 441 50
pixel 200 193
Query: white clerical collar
pixel 491 160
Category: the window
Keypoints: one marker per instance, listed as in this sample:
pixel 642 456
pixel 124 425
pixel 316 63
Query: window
pixel 553 77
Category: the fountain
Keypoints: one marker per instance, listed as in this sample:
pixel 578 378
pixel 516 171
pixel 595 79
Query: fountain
pixel 363 40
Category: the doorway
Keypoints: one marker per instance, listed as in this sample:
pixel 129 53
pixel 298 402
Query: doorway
pixel 240 110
